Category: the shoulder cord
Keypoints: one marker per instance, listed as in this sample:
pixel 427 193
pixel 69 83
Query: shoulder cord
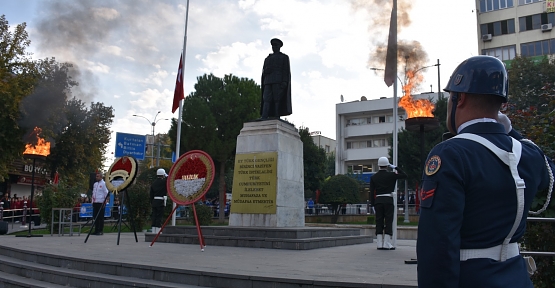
pixel 549 192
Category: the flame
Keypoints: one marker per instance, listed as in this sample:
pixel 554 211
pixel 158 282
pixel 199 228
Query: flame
pixel 415 107
pixel 41 148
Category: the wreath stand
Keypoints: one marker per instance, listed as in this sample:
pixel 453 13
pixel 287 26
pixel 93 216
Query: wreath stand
pixel 195 163
pixel 199 230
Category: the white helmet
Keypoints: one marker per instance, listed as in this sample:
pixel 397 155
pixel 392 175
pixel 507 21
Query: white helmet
pixel 160 172
pixel 382 162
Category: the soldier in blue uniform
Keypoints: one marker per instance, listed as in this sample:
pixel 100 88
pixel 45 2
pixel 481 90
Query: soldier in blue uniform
pixel 477 187
pixel 158 192
pixel 382 186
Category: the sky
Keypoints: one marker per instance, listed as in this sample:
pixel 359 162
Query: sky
pixel 127 52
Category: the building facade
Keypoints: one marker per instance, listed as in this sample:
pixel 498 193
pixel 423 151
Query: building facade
pixel 507 28
pixel 363 132
pixel 323 142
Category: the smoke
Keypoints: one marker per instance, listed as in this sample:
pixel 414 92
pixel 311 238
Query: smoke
pixel 410 54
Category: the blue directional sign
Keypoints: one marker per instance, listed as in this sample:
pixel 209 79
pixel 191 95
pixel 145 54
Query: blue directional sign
pixel 130 145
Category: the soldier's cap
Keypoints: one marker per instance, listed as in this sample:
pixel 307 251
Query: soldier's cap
pixel 276 42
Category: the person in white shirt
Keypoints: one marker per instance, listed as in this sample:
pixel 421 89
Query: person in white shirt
pixel 99 194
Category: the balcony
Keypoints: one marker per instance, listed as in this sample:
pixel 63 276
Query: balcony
pixel 365 153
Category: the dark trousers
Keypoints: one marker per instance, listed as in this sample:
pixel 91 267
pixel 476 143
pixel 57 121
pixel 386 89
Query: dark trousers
pixel 157 214
pixel 99 222
pixel 384 218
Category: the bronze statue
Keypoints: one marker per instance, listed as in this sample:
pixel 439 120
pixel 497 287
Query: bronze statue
pixel 276 84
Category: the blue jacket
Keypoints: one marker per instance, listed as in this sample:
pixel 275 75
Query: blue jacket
pixel 469 202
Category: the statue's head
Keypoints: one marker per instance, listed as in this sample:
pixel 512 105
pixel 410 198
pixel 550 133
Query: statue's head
pixel 276 44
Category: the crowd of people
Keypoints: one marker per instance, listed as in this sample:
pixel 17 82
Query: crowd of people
pixel 14 206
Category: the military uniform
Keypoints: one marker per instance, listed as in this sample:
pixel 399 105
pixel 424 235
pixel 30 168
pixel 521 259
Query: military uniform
pixel 382 184
pixel 157 192
pixel 468 208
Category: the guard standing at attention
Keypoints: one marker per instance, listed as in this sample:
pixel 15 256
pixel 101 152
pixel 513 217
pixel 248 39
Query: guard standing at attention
pixel 477 187
pixel 382 188
pixel 158 192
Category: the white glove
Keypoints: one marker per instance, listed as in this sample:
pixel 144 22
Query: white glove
pixel 392 166
pixel 503 119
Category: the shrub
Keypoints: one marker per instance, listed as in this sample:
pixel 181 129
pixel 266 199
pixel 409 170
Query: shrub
pixel 204 214
pixel 138 205
pixel 339 190
pixel 60 196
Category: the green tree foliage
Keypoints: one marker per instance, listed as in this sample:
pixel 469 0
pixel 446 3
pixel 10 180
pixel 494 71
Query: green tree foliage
pixel 338 190
pixel 330 165
pixel 213 116
pixel 409 153
pixel 17 78
pixel 81 143
pixel 63 195
pixel 531 110
pixel 314 159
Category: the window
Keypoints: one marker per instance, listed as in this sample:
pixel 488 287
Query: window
pixel 524 2
pixel 381 119
pixel 359 121
pixel 538 48
pixel 492 5
pixel 369 143
pixel 349 145
pixel 389 119
pixel 503 53
pixel 498 28
pixel 532 22
pixel 327 148
pixel 379 143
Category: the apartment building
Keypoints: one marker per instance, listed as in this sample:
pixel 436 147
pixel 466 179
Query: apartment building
pixel 507 28
pixel 363 131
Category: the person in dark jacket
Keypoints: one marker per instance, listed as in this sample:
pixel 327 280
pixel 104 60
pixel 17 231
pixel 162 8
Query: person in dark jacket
pixel 477 188
pixel 158 192
pixel 382 186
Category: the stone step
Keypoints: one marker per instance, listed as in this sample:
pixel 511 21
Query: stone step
pixel 303 238
pixel 14 281
pixel 42 275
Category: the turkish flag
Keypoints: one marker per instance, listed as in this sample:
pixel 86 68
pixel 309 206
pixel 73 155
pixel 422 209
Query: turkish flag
pixel 178 93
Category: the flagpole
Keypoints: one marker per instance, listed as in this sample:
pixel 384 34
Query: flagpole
pixel 395 110
pixel 178 141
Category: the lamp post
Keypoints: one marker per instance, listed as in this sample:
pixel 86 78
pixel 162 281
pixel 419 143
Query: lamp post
pixel 153 124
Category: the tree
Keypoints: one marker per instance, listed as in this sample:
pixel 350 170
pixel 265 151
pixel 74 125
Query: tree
pixel 338 190
pixel 82 141
pixel 213 116
pixel 314 159
pixel 531 109
pixel 330 164
pixel 17 78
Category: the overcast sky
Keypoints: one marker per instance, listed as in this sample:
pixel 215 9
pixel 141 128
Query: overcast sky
pixel 127 52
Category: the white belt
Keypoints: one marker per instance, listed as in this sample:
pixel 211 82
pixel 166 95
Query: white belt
pixel 385 195
pixel 159 198
pixel 493 253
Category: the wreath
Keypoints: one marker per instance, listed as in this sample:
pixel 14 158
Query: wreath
pixel 190 177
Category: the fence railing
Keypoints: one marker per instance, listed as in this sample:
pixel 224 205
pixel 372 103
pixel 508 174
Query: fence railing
pixel 538 253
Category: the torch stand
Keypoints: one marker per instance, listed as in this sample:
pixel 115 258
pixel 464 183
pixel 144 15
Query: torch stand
pixel 34 157
pixel 422 125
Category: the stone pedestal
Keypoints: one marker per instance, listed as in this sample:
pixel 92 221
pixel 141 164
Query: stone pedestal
pixel 282 138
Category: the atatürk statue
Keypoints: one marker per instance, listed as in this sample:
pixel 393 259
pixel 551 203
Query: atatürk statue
pixel 276 84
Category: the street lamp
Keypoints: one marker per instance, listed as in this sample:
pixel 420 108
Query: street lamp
pixel 153 124
pixel 380 69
